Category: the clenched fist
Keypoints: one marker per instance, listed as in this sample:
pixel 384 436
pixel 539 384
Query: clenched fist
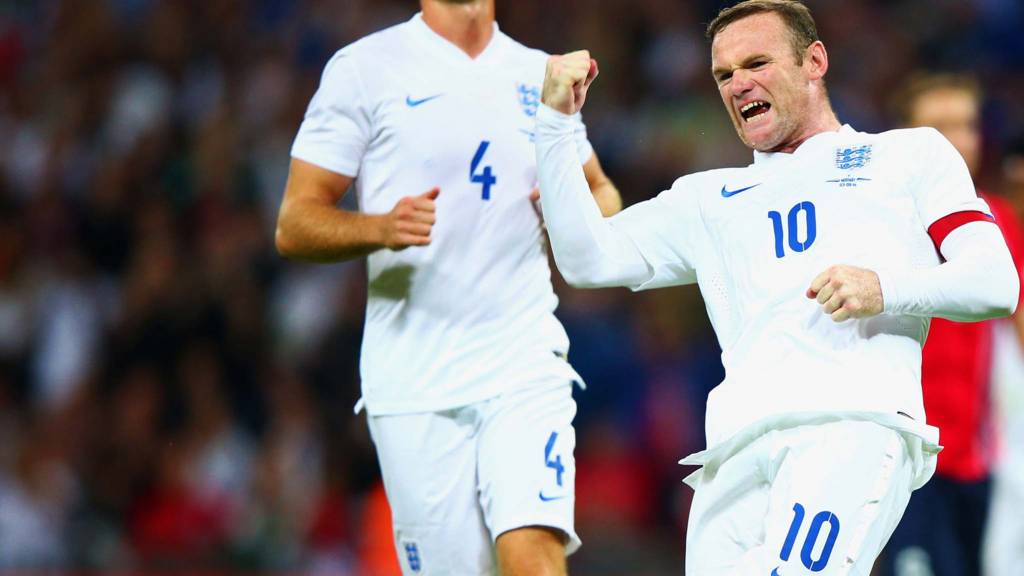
pixel 410 221
pixel 567 79
pixel 846 292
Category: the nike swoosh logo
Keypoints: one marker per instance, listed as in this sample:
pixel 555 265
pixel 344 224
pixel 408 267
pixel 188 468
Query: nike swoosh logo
pixel 728 193
pixel 414 103
pixel 544 498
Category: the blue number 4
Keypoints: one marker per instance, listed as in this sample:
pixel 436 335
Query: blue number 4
pixel 557 462
pixel 485 178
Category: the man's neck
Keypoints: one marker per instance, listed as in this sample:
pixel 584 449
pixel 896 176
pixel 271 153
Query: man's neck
pixel 825 121
pixel 469 25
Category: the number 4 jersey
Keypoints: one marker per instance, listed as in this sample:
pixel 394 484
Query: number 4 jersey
pixel 754 238
pixel 470 315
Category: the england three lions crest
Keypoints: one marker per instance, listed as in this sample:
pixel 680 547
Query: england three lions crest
pixel 854 157
pixel 529 98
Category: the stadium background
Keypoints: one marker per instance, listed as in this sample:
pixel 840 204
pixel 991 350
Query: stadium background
pixel 174 395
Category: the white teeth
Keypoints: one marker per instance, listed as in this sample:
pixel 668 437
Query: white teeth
pixel 750 105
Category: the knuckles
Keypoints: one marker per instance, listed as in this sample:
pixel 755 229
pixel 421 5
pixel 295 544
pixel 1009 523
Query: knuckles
pixel 851 296
pixel 568 64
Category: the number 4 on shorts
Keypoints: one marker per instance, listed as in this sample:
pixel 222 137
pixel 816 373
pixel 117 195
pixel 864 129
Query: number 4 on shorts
pixel 556 464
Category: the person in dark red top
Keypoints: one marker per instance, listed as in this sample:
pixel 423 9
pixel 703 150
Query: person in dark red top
pixel 941 530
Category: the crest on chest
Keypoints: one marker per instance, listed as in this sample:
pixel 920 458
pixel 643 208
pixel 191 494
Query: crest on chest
pixel 529 98
pixel 850 159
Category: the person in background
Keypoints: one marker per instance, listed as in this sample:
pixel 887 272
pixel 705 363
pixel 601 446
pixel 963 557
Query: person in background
pixel 941 531
pixel 1003 538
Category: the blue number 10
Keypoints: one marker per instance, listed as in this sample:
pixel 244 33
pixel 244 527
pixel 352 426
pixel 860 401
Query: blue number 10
pixel 812 537
pixel 795 244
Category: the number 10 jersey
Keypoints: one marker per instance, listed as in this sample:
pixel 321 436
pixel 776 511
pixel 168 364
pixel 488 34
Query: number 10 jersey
pixel 754 238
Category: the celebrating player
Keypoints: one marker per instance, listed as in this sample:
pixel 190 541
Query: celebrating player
pixel 463 364
pixel 820 265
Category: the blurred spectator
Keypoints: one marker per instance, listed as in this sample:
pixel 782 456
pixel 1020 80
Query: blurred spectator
pixel 1003 545
pixel 941 530
pixel 36 493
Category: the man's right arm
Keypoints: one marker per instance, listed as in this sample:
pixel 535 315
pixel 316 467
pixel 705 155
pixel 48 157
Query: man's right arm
pixel 312 228
pixel 589 252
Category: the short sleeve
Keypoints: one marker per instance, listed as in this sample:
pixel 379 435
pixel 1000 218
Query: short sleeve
pixel 667 230
pixel 943 190
pixel 336 129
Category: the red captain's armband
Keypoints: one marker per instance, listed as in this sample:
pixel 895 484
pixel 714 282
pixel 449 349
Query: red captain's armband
pixel 945 225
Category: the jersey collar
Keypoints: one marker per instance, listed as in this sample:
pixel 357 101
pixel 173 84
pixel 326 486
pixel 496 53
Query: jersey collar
pixel 813 143
pixel 452 53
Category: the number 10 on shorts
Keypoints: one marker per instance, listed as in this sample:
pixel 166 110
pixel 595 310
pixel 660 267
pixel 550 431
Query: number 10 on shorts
pixel 813 533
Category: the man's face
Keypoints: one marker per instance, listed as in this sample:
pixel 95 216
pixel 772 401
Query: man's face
pixel 763 88
pixel 954 113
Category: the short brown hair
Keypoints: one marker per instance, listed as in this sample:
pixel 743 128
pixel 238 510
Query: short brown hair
pixel 922 83
pixel 802 30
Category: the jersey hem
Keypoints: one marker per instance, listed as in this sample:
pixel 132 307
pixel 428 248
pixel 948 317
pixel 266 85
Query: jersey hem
pixel 394 408
pixel 713 457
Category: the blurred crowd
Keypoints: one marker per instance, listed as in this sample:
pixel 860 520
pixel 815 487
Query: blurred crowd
pixel 174 395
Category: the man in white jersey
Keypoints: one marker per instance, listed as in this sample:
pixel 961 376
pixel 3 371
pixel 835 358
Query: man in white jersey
pixel 463 364
pixel 820 265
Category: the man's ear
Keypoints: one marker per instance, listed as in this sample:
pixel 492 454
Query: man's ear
pixel 816 60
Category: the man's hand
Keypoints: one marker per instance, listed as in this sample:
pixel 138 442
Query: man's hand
pixel 847 292
pixel 410 221
pixel 567 80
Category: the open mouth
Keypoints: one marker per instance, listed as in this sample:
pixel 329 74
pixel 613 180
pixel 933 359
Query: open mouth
pixel 752 110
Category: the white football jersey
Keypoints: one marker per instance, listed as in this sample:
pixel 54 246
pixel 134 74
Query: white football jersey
pixel 470 315
pixel 754 238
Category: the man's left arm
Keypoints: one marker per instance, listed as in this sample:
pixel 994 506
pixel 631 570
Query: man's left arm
pixel 977 279
pixel 605 193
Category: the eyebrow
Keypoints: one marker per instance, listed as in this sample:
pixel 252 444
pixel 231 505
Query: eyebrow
pixel 718 70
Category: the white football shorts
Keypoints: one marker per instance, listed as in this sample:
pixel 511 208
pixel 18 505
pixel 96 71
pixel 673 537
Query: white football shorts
pixel 818 499
pixel 457 479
